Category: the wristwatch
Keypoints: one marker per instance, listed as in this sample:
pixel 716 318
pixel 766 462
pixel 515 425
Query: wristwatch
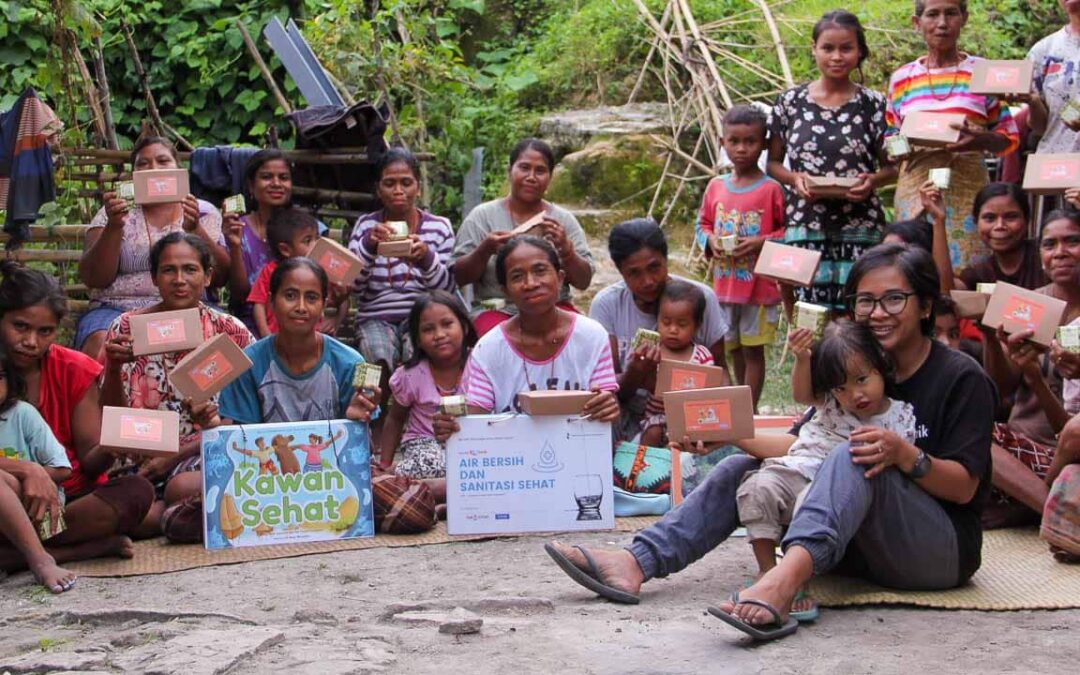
pixel 921 467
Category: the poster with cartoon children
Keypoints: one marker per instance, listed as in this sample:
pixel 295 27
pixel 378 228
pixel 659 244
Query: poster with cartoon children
pixel 261 486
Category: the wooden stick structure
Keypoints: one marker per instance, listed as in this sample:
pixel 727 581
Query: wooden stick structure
pixel 268 77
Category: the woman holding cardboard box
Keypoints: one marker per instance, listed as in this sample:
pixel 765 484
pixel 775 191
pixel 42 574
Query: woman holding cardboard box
pixel 138 375
pixel 940 83
pixel 62 384
pixel 524 211
pixel 904 515
pixel 1024 447
pixel 832 130
pixel 115 260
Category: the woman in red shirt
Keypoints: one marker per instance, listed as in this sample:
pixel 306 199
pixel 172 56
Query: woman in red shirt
pixel 62 384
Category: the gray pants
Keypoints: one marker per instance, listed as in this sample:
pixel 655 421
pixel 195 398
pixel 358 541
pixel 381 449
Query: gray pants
pixel 901 533
pixel 901 536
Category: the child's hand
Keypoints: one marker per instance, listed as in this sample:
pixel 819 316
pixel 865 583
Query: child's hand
pixel 1066 362
pixel 800 342
pixel 694 448
pixel 119 350
pixel 204 415
pixel 748 246
pixel 444 426
pixel 862 191
pixel 933 202
pixel 363 404
pixel 1072 195
pixel 879 449
pixel 645 360
pixel 714 245
pixel 602 407
pixel 801 188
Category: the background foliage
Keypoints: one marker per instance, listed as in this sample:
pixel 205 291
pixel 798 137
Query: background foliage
pixel 460 73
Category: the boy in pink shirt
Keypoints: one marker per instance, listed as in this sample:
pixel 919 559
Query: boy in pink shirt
pixel 738 213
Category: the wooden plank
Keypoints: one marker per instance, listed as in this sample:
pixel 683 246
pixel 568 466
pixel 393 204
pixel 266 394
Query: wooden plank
pixel 45 255
pixel 58 234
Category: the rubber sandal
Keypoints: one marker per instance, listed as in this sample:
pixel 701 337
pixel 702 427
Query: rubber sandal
pixel 759 632
pixel 592 580
pixel 807 615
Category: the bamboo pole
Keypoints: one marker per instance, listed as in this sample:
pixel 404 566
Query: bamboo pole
pixel 709 63
pixel 94 156
pixel 781 53
pixel 282 102
pixel 104 95
pixel 664 19
pixel 97 117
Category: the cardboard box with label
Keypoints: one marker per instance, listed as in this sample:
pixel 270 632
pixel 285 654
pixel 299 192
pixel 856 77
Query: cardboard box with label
pixel 150 433
pixel 681 376
pixel 970 304
pixel 209 368
pixel 341 266
pixel 720 414
pixel 160 186
pixel 553 402
pixel 931 128
pixel 395 249
pixel 1016 309
pixel 830 187
pixel 787 264
pixel 166 332
pixel 1002 78
pixel 1052 174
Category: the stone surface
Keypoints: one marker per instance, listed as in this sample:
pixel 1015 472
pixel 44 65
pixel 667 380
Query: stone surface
pixel 461 621
pixel 201 652
pixel 50 661
pixel 573 129
pixel 316 616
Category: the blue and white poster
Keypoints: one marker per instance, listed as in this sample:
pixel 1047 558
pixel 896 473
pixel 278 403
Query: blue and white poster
pixel 287 483
pixel 516 473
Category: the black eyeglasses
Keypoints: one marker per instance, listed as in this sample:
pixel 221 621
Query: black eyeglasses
pixel 892 303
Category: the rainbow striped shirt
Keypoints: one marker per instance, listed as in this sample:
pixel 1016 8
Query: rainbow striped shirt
pixel 948 90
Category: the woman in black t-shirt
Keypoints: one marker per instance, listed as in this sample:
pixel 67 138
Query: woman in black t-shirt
pixel 901 515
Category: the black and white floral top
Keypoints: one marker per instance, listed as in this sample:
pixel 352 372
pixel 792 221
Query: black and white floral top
pixel 824 141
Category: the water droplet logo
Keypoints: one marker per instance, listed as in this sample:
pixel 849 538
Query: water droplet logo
pixel 549 461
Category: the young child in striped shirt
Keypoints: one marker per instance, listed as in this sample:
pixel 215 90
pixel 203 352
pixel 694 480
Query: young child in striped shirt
pixel 681 313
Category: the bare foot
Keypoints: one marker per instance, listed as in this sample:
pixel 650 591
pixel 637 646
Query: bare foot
pixel 619 569
pixel 1063 556
pixel 117 545
pixel 52 576
pixel 774 588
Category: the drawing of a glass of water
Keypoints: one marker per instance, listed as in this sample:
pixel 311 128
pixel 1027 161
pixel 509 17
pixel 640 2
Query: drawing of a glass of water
pixel 588 492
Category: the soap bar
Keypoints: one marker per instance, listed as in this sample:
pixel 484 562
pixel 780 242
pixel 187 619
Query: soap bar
pixel 728 243
pixel 366 375
pixel 1070 112
pixel 897 147
pixel 399 229
pixel 126 191
pixel 642 336
pixel 988 289
pixel 1068 338
pixel 941 178
pixel 812 317
pixel 493 304
pixel 235 204
pixel 45 528
pixel 453 405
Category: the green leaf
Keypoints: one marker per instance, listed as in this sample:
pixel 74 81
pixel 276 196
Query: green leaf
pixel 517 83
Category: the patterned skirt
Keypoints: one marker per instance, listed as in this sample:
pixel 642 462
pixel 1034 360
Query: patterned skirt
pixel 422 458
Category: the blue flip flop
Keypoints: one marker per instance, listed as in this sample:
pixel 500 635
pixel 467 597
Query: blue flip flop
pixel 807 615
pixel 764 632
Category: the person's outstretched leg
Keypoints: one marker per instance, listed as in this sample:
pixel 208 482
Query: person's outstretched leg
pixel 21 548
pixel 902 533
pixel 707 517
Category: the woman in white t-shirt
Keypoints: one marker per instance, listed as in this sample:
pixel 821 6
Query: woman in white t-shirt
pixel 542 347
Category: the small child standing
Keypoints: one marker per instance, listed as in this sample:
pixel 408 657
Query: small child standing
pixel 440 329
pixel 27 446
pixel 680 314
pixel 847 372
pixel 738 213
pixel 290 232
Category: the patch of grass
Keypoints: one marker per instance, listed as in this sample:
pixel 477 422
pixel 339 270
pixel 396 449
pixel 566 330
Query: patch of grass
pixel 45 644
pixel 38 594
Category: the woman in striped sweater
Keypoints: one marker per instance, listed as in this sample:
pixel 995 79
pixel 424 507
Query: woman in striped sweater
pixel 940 82
pixel 388 287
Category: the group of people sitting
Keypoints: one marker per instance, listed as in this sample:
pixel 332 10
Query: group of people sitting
pixel 891 474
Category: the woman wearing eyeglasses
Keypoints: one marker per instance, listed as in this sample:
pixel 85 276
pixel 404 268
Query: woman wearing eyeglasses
pixel 903 515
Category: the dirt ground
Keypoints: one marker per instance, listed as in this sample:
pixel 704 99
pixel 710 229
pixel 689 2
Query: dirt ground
pixel 378 611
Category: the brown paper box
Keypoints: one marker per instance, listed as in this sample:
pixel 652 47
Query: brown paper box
pixel 830 187
pixel 682 376
pixel 160 186
pixel 207 370
pixel 544 402
pixel 931 128
pixel 1052 174
pixel 395 249
pixel 787 263
pixel 152 433
pixel 720 414
pixel 166 332
pixel 529 225
pixel 341 266
pixel 997 78
pixel 1016 309
pixel 970 304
